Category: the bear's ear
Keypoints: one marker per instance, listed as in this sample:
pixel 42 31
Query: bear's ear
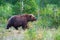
pixel 30 16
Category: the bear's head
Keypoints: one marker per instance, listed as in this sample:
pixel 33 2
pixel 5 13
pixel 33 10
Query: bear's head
pixel 30 17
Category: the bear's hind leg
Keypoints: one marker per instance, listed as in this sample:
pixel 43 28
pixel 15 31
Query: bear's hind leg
pixel 8 26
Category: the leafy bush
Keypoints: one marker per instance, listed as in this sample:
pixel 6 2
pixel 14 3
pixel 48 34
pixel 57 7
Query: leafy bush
pixel 50 16
pixel 5 10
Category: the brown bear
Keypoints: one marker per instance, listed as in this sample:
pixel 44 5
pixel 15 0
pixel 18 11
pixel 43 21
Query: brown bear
pixel 20 20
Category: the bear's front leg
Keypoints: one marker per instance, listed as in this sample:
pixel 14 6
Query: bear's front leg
pixel 24 27
pixel 16 28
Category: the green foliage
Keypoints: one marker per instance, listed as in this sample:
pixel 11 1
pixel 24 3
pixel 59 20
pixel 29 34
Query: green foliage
pixel 16 8
pixel 57 37
pixel 5 10
pixel 31 34
pixel 57 34
pixel 50 16
pixel 30 6
pixel 47 13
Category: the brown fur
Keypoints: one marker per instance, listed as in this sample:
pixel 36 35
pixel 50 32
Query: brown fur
pixel 20 20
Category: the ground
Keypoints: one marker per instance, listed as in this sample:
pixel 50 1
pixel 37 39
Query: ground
pixel 46 34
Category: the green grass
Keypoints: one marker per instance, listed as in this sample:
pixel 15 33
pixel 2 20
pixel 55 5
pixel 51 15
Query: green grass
pixel 30 34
